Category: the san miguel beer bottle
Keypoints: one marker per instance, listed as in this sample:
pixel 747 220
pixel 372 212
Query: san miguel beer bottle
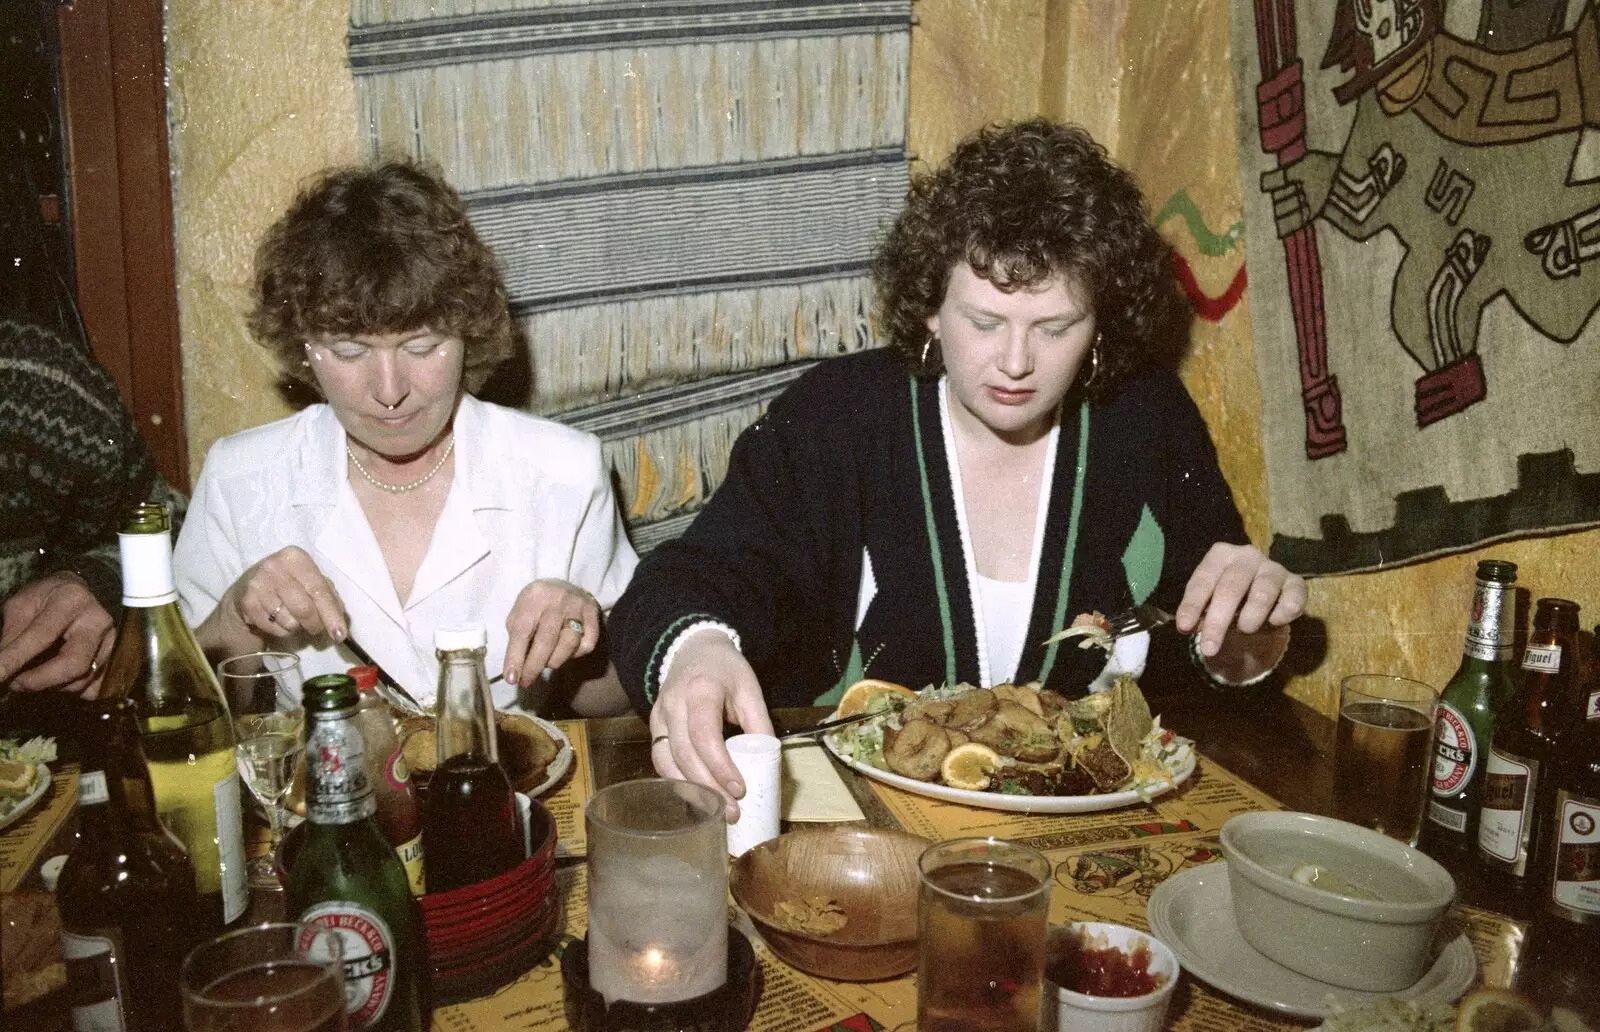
pixel 1517 787
pixel 187 730
pixel 126 895
pixel 470 828
pixel 1465 722
pixel 347 878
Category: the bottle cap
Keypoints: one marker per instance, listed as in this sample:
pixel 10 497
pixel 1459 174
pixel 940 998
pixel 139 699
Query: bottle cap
pixel 465 636
pixel 366 677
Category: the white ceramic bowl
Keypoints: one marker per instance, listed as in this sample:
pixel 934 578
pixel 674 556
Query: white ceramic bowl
pixel 1080 1012
pixel 1376 945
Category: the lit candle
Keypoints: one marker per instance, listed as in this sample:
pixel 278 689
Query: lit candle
pixel 658 884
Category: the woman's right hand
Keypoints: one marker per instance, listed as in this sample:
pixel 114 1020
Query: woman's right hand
pixel 709 681
pixel 281 596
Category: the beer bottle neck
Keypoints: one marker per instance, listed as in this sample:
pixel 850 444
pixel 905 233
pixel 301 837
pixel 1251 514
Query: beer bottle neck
pixel 466 708
pixel 1490 628
pixel 338 778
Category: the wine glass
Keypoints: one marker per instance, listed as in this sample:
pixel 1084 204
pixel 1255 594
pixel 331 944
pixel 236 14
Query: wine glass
pixel 259 682
pixel 269 750
pixel 270 976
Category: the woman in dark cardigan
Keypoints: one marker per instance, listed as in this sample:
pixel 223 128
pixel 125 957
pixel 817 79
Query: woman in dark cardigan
pixel 931 512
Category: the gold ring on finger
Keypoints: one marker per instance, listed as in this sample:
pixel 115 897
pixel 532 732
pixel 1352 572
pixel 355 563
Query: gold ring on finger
pixel 272 617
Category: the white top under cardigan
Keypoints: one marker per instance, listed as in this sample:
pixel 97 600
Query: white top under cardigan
pixel 530 499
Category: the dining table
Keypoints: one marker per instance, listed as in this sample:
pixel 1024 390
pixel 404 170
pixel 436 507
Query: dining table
pixel 1259 750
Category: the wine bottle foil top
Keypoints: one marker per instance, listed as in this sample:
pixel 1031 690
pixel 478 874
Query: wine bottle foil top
pixel 338 786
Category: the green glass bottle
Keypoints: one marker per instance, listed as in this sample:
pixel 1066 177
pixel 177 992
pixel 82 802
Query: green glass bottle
pixel 126 895
pixel 1483 683
pixel 347 877
pixel 187 731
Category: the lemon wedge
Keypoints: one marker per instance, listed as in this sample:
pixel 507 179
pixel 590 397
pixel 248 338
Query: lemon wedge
pixel 970 766
pixel 1497 1010
pixel 856 697
pixel 1319 877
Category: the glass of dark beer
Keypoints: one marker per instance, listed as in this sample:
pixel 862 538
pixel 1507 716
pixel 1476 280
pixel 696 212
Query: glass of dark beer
pixel 268 978
pixel 981 918
pixel 1381 756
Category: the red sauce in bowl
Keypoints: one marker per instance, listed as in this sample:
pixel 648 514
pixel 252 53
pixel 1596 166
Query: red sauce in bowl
pixel 1100 972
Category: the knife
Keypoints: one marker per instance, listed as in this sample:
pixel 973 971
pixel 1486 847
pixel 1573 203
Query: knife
pixel 827 725
pixel 396 692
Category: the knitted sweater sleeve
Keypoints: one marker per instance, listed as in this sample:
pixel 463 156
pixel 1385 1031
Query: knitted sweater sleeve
pixel 78 462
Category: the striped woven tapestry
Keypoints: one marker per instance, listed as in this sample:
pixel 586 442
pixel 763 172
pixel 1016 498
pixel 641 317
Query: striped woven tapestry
pixel 684 196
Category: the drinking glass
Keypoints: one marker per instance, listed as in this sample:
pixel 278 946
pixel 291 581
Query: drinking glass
pixel 267 978
pixel 258 682
pixel 981 918
pixel 1381 755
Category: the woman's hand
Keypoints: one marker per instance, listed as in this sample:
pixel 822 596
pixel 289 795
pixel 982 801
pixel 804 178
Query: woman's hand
pixel 281 596
pixel 58 609
pixel 1239 604
pixel 550 623
pixel 709 681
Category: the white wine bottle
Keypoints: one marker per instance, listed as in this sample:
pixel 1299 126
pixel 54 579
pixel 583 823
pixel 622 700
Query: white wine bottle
pixel 187 732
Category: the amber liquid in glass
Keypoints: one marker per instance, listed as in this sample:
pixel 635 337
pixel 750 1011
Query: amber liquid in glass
pixel 1383 752
pixel 984 974
pixel 293 997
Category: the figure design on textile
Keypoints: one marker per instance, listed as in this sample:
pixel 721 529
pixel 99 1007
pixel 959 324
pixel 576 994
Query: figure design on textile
pixel 1466 152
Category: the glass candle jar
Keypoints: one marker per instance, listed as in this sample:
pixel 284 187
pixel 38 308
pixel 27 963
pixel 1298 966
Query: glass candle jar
pixel 658 886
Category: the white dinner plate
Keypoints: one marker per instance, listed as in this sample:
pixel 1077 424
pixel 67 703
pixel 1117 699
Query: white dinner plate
pixel 560 765
pixel 41 785
pixel 1192 912
pixel 1016 803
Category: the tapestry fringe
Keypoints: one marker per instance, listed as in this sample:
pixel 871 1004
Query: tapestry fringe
pixel 674 470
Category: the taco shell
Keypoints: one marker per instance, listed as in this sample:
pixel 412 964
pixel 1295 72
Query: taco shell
pixel 1128 720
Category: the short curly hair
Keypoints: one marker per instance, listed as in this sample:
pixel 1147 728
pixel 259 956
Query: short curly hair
pixel 381 249
pixel 1021 202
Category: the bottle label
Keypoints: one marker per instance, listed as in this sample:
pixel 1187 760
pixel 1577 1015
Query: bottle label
pixel 230 847
pixel 146 570
pixel 92 789
pixel 1455 753
pixel 369 962
pixel 338 788
pixel 1592 711
pixel 1489 635
pixel 94 980
pixel 1447 817
pixel 1575 890
pixel 1543 659
pixel 397 773
pixel 410 854
pixel 1508 791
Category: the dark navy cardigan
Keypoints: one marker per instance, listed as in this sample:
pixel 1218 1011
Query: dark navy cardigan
pixel 852 458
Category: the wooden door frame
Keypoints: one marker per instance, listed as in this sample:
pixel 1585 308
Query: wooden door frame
pixel 114 99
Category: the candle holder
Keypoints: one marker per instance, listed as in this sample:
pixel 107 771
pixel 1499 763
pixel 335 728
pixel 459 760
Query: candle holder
pixel 728 1008
pixel 658 951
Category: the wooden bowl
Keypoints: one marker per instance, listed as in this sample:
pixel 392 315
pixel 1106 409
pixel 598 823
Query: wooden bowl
pixel 870 873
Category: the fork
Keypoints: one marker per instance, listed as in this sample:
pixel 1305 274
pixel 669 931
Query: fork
pixel 1139 618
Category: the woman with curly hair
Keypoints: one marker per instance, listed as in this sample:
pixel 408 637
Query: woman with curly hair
pixel 401 503
pixel 931 512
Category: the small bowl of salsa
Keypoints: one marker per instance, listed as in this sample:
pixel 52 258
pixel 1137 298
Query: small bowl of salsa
pixel 1107 978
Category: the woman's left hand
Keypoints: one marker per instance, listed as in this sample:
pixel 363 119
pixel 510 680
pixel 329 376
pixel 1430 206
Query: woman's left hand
pixel 552 622
pixel 1239 601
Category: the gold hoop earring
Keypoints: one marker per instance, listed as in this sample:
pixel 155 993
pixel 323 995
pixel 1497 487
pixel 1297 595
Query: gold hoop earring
pixel 1094 362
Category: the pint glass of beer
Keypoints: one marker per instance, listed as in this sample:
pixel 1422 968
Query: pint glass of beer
pixel 981 919
pixel 1381 756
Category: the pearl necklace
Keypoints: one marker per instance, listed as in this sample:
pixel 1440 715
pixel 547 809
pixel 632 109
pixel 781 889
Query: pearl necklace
pixel 401 488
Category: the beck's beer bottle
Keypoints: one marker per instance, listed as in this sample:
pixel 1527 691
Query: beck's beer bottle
pixel 1465 723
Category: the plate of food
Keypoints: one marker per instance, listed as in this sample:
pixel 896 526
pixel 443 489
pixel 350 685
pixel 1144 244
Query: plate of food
pixel 24 776
pixel 534 752
pixel 1012 747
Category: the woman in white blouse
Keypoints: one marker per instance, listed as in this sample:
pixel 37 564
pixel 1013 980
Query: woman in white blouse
pixel 401 503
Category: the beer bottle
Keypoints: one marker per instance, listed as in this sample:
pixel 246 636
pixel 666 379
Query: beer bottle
pixel 470 829
pixel 391 779
pixel 187 732
pixel 346 876
pixel 1566 933
pixel 1465 721
pixel 126 895
pixel 1517 787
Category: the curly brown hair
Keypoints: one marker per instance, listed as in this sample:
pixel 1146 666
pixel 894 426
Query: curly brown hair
pixel 382 249
pixel 1021 202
